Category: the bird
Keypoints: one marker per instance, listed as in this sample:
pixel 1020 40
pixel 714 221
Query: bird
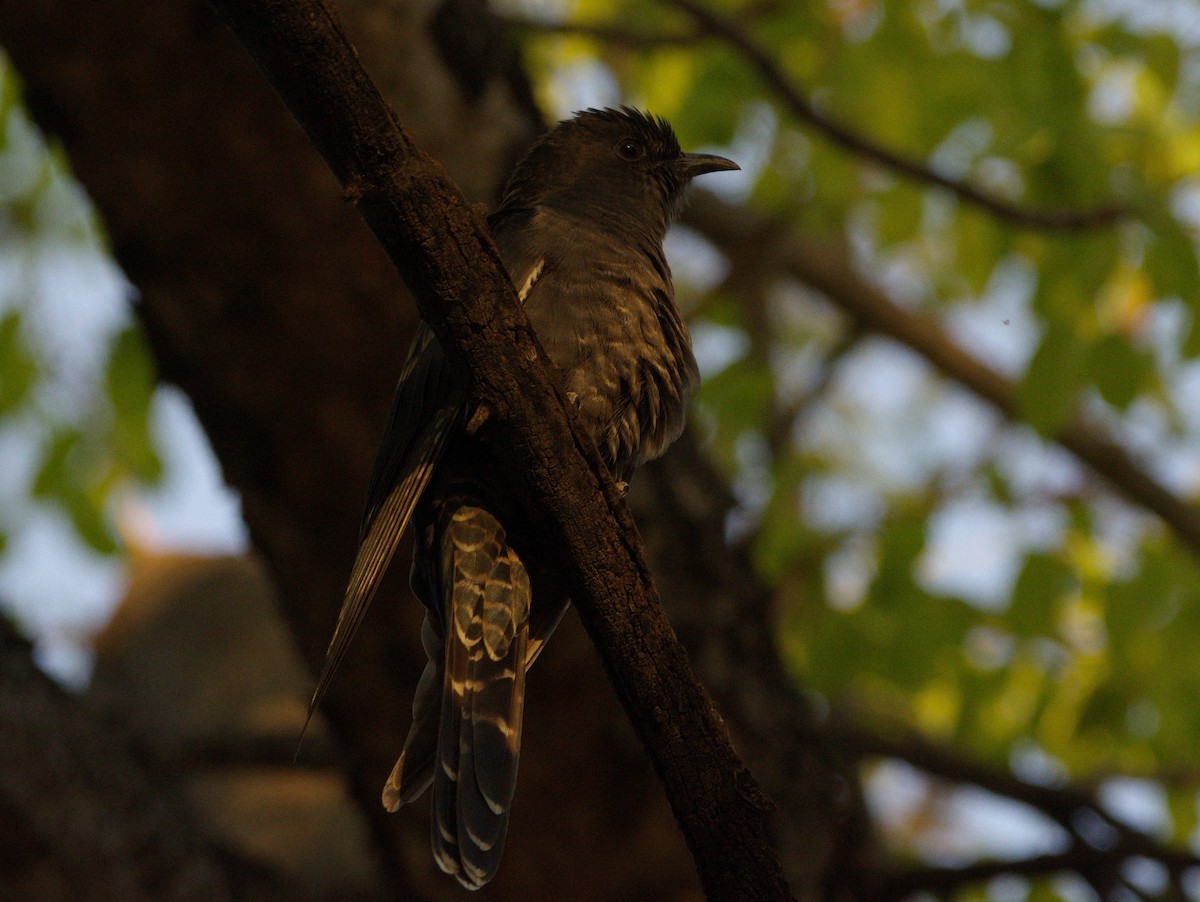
pixel 580 229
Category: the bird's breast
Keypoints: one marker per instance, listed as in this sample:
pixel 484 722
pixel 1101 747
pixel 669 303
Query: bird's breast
pixel 611 328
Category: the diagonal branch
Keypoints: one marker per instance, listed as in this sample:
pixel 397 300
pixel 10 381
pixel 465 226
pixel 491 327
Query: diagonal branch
pixel 826 267
pixel 844 136
pixel 443 250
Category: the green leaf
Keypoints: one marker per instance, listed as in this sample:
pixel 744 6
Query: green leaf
pixel 10 97
pixel 1104 714
pixel 981 243
pixel 1037 596
pixel 709 111
pixel 131 382
pixel 56 478
pixel 87 516
pixel 900 212
pixel 1171 262
pixel 782 538
pixel 1182 804
pixel 1118 370
pixel 1049 393
pixel 1172 267
pixel 1161 55
pixel 63 478
pixel 18 371
pixel 743 393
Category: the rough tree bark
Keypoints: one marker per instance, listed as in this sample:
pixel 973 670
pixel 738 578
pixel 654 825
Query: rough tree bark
pixel 272 307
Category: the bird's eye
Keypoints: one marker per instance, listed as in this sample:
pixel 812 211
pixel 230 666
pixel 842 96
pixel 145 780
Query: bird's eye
pixel 630 149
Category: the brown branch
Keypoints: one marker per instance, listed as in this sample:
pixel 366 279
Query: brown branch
pixel 442 249
pixel 1063 804
pixel 826 267
pixel 1100 869
pixel 844 136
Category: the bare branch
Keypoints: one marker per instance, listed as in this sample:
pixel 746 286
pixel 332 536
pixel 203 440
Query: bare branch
pixel 844 136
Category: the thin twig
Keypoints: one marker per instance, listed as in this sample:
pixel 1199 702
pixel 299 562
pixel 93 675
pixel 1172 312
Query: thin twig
pixel 844 136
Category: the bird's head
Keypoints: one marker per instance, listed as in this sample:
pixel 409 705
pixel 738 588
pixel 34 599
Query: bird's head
pixel 610 166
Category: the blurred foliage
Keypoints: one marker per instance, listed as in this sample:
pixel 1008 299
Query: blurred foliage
pixel 87 419
pixel 1053 616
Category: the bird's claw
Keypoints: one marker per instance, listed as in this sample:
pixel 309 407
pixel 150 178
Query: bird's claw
pixel 478 418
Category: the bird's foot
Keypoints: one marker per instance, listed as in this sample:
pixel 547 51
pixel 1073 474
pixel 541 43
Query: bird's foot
pixel 478 418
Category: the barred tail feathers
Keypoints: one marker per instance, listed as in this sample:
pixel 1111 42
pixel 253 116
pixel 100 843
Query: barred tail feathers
pixel 483 694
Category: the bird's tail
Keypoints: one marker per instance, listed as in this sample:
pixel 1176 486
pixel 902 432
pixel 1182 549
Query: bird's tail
pixel 470 750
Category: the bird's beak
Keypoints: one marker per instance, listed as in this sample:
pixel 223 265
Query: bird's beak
pixel 694 164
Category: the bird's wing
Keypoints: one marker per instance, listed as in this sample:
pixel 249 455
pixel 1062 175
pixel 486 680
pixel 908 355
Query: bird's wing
pixel 427 407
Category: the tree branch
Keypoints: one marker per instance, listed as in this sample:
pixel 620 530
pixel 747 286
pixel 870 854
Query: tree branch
pixel 846 137
pixel 444 252
pixel 1095 854
pixel 942 882
pixel 826 267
